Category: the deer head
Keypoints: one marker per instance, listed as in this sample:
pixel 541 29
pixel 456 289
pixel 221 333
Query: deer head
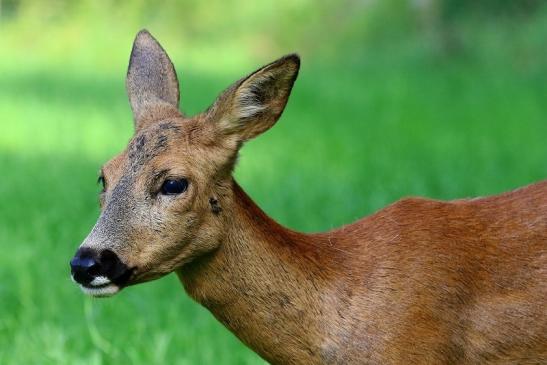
pixel 168 195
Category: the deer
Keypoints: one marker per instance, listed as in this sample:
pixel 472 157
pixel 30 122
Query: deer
pixel 420 281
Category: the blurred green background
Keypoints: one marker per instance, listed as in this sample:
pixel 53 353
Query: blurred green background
pixel 446 99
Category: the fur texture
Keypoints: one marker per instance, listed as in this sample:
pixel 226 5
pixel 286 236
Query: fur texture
pixel 419 282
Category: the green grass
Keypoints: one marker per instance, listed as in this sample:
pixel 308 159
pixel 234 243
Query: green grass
pixel 359 133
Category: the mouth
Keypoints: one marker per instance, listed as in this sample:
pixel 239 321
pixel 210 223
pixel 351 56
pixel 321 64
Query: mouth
pixel 100 287
pixel 100 291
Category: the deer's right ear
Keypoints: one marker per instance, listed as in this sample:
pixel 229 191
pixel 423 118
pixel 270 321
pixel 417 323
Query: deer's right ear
pixel 151 83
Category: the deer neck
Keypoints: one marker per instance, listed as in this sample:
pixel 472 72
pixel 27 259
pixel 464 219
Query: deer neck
pixel 263 283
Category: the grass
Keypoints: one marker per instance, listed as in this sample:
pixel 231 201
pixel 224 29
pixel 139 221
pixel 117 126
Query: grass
pixel 358 133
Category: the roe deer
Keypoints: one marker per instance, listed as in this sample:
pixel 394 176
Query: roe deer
pixel 419 282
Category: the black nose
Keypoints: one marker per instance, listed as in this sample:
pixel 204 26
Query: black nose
pixel 87 264
pixel 84 266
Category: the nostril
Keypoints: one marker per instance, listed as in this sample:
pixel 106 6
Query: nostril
pixel 113 267
pixel 94 270
pixel 109 258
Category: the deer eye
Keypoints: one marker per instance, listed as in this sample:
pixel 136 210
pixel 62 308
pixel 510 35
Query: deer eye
pixel 102 182
pixel 174 187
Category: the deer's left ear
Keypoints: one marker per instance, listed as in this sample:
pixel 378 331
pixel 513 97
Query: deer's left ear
pixel 151 83
pixel 253 104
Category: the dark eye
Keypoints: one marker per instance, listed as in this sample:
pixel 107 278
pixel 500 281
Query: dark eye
pixel 174 187
pixel 101 181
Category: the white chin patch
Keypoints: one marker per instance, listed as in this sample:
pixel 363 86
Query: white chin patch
pixel 102 291
pixel 99 281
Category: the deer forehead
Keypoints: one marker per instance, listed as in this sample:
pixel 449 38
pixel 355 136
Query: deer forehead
pixel 152 142
pixel 183 146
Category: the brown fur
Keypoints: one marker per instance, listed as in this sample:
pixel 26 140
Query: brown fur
pixel 419 282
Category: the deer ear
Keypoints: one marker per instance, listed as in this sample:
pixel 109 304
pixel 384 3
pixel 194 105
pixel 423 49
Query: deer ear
pixel 151 83
pixel 253 104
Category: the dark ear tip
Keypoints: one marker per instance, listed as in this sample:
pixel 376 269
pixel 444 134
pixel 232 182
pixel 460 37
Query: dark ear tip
pixel 293 58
